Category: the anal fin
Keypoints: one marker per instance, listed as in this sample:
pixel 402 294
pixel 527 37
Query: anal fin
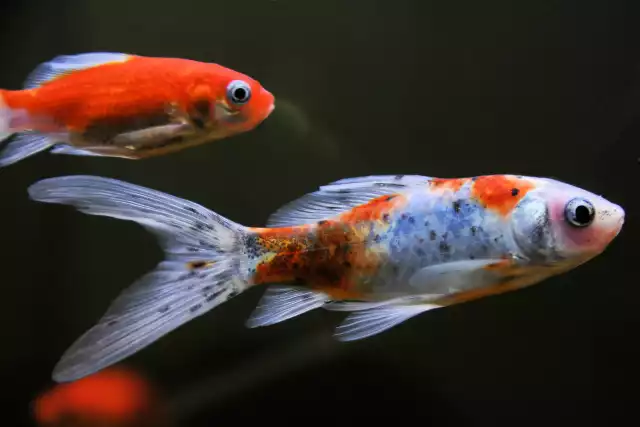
pixel 457 276
pixel 280 303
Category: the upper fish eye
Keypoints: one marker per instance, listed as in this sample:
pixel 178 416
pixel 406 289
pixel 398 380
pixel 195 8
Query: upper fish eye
pixel 579 212
pixel 238 92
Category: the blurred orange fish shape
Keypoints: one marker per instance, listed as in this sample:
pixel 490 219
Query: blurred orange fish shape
pixel 114 397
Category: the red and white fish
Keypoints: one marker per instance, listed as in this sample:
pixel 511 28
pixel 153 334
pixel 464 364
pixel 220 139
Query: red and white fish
pixel 395 246
pixel 128 106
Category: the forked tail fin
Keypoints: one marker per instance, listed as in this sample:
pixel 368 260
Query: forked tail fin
pixel 203 267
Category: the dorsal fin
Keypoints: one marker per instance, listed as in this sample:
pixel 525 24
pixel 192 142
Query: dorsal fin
pixel 339 196
pixel 66 64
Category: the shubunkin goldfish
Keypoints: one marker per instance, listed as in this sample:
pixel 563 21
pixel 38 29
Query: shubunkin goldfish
pixel 127 106
pixel 384 248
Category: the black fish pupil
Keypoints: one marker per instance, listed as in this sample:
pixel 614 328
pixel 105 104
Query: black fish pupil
pixel 240 94
pixel 582 214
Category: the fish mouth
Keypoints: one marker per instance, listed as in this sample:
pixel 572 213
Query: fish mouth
pixel 620 222
pixel 619 226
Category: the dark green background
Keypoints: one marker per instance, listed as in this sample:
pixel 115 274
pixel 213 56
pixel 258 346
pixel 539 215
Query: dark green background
pixel 447 89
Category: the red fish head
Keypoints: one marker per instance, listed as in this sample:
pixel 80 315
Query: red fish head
pixel 240 103
pixel 560 224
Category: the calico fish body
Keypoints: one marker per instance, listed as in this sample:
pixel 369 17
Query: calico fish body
pixel 127 106
pixel 384 248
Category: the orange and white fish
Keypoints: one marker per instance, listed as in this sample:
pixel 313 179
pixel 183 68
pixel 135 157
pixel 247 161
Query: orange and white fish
pixel 127 106
pixel 396 246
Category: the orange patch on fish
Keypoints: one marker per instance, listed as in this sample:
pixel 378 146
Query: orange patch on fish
pixel 329 256
pixel 374 210
pixel 453 184
pixel 500 193
pixel 500 265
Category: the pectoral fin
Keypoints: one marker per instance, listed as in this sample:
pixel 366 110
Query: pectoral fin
pixel 457 276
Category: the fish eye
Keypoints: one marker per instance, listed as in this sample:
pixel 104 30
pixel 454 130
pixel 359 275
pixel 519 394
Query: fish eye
pixel 238 92
pixel 579 212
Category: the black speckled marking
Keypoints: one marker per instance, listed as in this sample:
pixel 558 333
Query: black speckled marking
pixel 514 192
pixel 201 226
pixel 215 295
pixel 195 308
pixel 456 206
pixel 164 309
pixel 432 235
pixel 540 228
pixel 197 264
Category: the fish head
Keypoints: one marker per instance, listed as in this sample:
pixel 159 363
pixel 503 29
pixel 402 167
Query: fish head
pixel 240 104
pixel 558 224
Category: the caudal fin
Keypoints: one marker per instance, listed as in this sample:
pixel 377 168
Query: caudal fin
pixel 203 267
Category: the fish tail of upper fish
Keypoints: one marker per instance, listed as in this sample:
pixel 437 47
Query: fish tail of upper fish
pixel 204 265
